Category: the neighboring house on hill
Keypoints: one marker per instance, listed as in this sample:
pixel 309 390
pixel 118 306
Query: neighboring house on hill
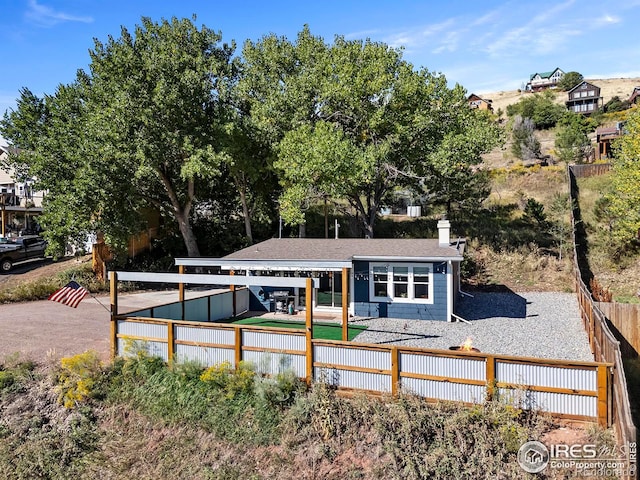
pixel 415 279
pixel 604 137
pixel 19 204
pixel 542 80
pixel 635 96
pixel 584 98
pixel 480 103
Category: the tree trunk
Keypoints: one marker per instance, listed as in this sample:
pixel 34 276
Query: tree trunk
pixel 181 213
pixel 245 212
pixel 187 234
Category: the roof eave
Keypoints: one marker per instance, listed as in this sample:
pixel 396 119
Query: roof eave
pixel 387 258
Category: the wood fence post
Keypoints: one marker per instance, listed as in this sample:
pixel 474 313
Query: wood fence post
pixel 238 345
pixel 181 292
pixel 603 396
pixel 395 371
pixel 113 290
pixel 232 288
pixel 170 342
pixel 345 304
pixel 309 329
pixel 491 376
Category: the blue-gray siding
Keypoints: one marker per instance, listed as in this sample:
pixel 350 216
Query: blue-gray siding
pixel 363 307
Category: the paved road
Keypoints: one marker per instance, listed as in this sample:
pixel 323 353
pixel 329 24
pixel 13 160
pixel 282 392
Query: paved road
pixel 46 331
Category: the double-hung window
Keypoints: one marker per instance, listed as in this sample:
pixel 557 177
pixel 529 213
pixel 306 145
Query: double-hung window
pixel 380 281
pixel 401 282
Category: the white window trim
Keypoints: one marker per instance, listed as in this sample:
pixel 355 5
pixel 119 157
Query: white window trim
pixel 411 290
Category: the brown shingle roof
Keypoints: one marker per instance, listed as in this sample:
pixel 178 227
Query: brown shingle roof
pixel 345 249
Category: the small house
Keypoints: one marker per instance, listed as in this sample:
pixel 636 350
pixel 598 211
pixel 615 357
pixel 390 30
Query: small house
pixel 20 204
pixel 543 80
pixel 476 101
pixel 584 98
pixel 635 96
pixel 400 278
pixel 604 137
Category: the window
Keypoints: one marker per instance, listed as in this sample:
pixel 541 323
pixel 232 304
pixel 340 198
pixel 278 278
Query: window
pixel 401 282
pixel 592 93
pixel 380 279
pixel 421 282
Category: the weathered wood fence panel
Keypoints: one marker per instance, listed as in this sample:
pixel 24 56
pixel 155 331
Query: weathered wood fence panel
pixel 590 170
pixel 625 317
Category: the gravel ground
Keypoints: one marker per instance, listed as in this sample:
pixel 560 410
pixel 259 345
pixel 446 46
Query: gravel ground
pixel 542 325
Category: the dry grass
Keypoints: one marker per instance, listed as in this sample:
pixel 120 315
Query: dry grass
pixel 321 435
pixel 501 157
pixel 609 88
pixel 512 185
pixel 620 275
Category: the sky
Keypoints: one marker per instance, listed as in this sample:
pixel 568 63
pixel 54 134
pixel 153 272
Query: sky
pixel 485 46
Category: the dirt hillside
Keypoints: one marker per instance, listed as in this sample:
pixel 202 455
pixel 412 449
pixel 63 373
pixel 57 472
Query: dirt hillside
pixel 609 88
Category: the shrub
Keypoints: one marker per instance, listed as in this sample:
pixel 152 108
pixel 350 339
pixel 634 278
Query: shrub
pixel 76 378
pixel 7 380
pixel 534 212
pixel 232 382
pixel 279 390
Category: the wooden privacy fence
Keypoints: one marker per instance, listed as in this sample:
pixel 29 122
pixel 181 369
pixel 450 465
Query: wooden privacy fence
pixel 625 318
pixel 578 390
pixel 603 343
pixel 590 170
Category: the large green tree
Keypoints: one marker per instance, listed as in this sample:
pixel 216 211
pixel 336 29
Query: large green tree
pixel 570 80
pixel 624 200
pixel 142 127
pixel 571 142
pixel 352 120
pixel 539 107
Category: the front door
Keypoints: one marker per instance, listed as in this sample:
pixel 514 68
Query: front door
pixel 329 294
pixel 330 291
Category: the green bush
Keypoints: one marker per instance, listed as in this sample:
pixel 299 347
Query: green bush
pixel 76 378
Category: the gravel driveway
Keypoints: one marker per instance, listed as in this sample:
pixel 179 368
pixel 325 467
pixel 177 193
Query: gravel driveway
pixel 543 325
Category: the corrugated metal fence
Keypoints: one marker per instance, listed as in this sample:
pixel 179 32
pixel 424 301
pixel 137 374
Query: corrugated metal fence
pixel 577 390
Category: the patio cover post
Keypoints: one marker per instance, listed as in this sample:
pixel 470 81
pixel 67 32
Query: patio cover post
pixel 232 288
pixel 114 311
pixel 345 304
pixel 309 328
pixel 181 291
pixel 181 284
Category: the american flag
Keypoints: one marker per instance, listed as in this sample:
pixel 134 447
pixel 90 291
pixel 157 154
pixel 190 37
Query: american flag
pixel 71 294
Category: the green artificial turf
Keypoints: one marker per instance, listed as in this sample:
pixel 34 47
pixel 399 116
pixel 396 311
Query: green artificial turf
pixel 325 331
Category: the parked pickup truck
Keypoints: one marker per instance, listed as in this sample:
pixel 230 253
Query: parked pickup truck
pixel 20 249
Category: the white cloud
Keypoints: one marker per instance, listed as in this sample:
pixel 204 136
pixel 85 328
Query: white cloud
pixel 48 17
pixel 361 34
pixel 419 37
pixel 449 43
pixel 607 20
